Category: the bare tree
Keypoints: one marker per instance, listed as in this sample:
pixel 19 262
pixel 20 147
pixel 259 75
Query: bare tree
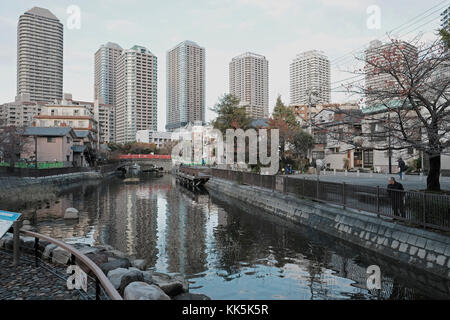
pixel 406 88
pixel 12 143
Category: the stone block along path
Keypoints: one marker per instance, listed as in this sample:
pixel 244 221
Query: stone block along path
pixel 28 282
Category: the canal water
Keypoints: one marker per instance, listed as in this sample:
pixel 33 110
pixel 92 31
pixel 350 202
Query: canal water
pixel 224 251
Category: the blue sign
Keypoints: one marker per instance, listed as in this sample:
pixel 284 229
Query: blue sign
pixel 6 221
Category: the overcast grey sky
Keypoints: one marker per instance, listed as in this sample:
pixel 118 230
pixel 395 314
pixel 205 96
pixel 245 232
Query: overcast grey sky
pixel 277 29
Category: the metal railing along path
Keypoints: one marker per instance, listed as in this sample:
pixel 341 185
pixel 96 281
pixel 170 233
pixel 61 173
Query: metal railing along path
pixel 76 256
pixel 424 209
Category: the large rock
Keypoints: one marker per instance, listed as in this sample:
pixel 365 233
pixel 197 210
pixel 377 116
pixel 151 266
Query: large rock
pixel 27 228
pixel 191 296
pixel 148 277
pixel 88 249
pixel 139 263
pixel 98 258
pixel 61 256
pixel 104 247
pixel 7 237
pixel 144 291
pixel 116 254
pixel 169 285
pixel 27 244
pixel 115 276
pixel 183 281
pixel 71 213
pixel 129 277
pixel 42 244
pixel 48 251
pixel 119 263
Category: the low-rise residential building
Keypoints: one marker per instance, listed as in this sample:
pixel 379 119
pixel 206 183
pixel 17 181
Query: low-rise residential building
pixel 302 111
pixel 104 114
pixel 21 112
pixel 83 146
pixel 380 145
pixel 66 114
pixel 156 137
pixel 333 132
pixel 50 144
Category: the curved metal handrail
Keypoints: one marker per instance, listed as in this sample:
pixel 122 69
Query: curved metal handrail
pixel 107 285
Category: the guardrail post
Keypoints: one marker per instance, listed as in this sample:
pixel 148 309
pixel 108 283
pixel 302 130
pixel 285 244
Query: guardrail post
pixel 16 242
pixel 97 289
pixel 317 189
pixel 303 188
pixel 424 210
pixel 343 194
pixel 378 201
pixel 36 248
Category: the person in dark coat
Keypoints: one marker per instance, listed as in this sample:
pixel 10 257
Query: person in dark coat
pixel 401 167
pixel 396 193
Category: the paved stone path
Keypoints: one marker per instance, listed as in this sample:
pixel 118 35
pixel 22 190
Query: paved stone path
pixel 410 182
pixel 26 282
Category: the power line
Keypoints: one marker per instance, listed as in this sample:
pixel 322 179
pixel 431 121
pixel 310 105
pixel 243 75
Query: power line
pixel 399 28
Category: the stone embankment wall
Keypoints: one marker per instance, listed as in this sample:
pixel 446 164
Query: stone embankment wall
pixel 27 190
pixel 419 248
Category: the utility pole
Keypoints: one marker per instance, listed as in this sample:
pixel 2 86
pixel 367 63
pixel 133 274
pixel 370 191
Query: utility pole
pixel 35 153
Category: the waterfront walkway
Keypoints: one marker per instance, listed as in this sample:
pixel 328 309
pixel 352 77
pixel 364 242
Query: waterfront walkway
pixel 28 282
pixel 409 182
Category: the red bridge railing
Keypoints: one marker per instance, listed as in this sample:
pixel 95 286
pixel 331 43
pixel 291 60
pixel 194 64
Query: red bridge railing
pixel 145 156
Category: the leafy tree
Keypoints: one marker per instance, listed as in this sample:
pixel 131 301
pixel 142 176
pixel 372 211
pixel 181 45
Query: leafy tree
pixel 302 143
pixel 445 35
pixel 229 114
pixel 285 113
pixel 283 119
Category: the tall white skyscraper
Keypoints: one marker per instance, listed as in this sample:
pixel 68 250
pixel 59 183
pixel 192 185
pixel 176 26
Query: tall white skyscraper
pixel 40 55
pixel 105 86
pixel 378 82
pixel 249 81
pixel 137 83
pixel 445 19
pixel 186 84
pixel 310 77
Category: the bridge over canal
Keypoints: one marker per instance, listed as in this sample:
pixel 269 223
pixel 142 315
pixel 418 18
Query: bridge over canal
pixel 148 161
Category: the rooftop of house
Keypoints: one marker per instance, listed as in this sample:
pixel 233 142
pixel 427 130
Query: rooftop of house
pixel 48 131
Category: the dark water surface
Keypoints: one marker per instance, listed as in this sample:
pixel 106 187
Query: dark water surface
pixel 226 252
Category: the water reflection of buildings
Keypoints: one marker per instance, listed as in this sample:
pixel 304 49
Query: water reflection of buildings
pixel 304 259
pixel 186 232
pixel 176 230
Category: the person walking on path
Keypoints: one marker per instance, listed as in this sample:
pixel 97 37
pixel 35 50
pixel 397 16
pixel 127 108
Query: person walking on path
pixel 401 168
pixel 396 193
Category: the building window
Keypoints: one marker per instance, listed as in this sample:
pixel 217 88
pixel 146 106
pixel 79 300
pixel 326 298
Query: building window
pixel 68 158
pixel 368 158
pixel 318 154
pixel 51 140
pixel 68 139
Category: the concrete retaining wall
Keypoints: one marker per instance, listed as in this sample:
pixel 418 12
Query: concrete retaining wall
pixel 28 190
pixel 419 248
